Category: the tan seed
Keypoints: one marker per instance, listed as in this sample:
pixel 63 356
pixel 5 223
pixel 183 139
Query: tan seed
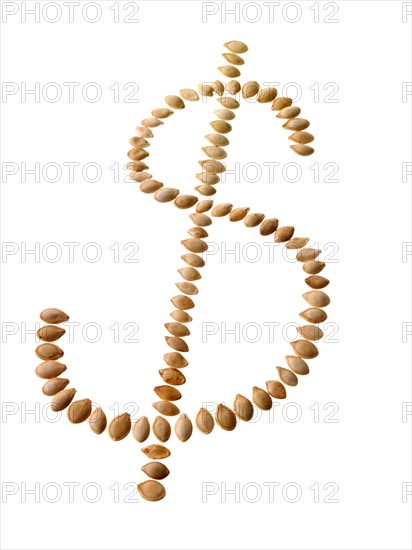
pixel 198 233
pixel 54 385
pixel 156 451
pixel 177 329
pixel 250 89
pixel 183 428
pixel 206 190
pixel 233 58
pixel 229 102
pixel 225 114
pixel 140 176
pixel 181 316
pixel 313 267
pixel 281 103
pixel 141 429
pixel 120 427
pixel 166 194
pixel 236 46
pixel 217 139
pixel 187 288
pixel 195 245
pixel 261 399
pixel 283 234
pixel 50 333
pixel 205 89
pixel 167 409
pixel 150 186
pixel 204 421
pixel 62 399
pixel 222 209
pixel 175 102
pixel 177 343
pixel 151 122
pixel 138 142
pixel 238 214
pixel 229 71
pixel 161 429
pixel 289 112
pixel 207 178
pixel 276 389
pixel 218 87
pixel 317 281
pixel 137 154
pixel 265 95
pixel 137 166
pixel 296 242
pixel 302 137
pixel 317 298
pixel 306 254
pixel 253 220
pixel 212 166
pixel 189 94
pixel 287 376
pixel 49 352
pixel 268 226
pixel 296 124
pixel 151 490
pixel 204 206
pixel 189 273
pixel 50 369
pixel 314 315
pixel 185 201
pixel 98 421
pixel 168 393
pixel 156 470
pixel 175 360
pixel 79 411
pixel 172 376
pixel 215 152
pixel 233 87
pixel 144 132
pixel 302 150
pixel 305 349
pixel 162 112
pixel 221 126
pixel 53 316
pixel 310 332
pixel 297 364
pixel 243 408
pixel 193 260
pixel 225 418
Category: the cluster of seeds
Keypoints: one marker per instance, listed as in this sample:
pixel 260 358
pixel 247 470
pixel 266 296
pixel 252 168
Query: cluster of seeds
pixel 202 216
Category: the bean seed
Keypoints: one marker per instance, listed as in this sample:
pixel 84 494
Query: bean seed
pixel 317 281
pixel 156 451
pixel 229 71
pixel 314 315
pixel 151 490
pixel 283 234
pixel 310 332
pixel 79 411
pixel 215 152
pixel 305 349
pixel 268 226
pixel 287 376
pixel 62 399
pixel 296 124
pixel 236 46
pixel 221 126
pixel 302 150
pixel 276 389
pixel 177 329
pixel 53 316
pixel 250 89
pixel 297 364
pixel 253 220
pixel 233 58
pixel 265 95
pixel 167 409
pixel 281 103
pixel 233 87
pixel 317 298
pixel 204 421
pixel 238 214
pixel 243 408
pixel 49 352
pixel 222 209
pixel 54 385
pixel 156 470
pixel 185 201
pixel 162 112
pixel 151 122
pixel 313 267
pixel 289 112
pixel 161 429
pixel 261 399
pixel 172 376
pixel 189 94
pixel 187 288
pixel 183 428
pixel 120 427
pixel 296 242
pixel 189 273
pixel 150 186
pixel 166 194
pixel 302 137
pixel 225 418
pixel 204 206
pixel 177 343
pixel 193 260
pixel 50 369
pixel 141 429
pixel 175 102
pixel 181 316
pixel 98 421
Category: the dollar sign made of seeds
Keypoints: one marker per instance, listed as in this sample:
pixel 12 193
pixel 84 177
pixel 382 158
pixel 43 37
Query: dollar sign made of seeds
pixel 173 377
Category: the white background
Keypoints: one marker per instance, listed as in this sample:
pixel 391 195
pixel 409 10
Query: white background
pixel 363 219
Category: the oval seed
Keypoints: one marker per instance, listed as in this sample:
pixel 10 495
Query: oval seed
pixel 49 352
pixel 193 260
pixel 137 166
pixel 161 429
pixel 150 186
pixel 54 385
pixel 120 427
pixel 305 349
pixel 296 242
pixel 253 220
pixel 313 267
pixel 151 122
pixel 317 298
pixel 238 214
pixel 206 190
pixel 243 408
pixel 195 245
pixel 53 316
pixel 62 399
pixel 175 102
pixel 265 95
pixel 141 429
pixel 317 281
pixel 138 142
pixel 261 399
pixel 208 178
pixel 167 409
pixel 276 389
pixel 283 234
pixel 221 126
pixel 212 166
pixel 137 154
pixel 287 376
pixel 50 369
pixel 215 152
pixel 162 112
pixel 166 194
pixel 233 58
pixel 302 137
pixel 233 87
pixel 201 220
pixel 229 102
pixel 189 273
pixel 204 206
pixel 156 470
pixel 205 89
pixel 151 490
pixel 98 421
pixel 177 343
pixel 280 103
pixel 229 71
pixel 310 332
pixel 79 411
pixel 189 94
pixel 187 288
pixel 140 176
pixel 225 418
pixel 185 201
pixel 172 376
pixel 181 316
pixel 296 124
pixel 156 451
pixel 204 421
pixel 250 89
pixel 314 315
pixel 222 209
pixel 168 393
pixel 177 329
pixel 217 139
pixel 297 364
pixel 303 150
pixel 144 132
pixel 50 333
pixel 268 226
pixel 198 233
pixel 306 254
pixel 224 114
pixel 236 46
pixel 218 87
pixel 183 428
pixel 289 112
pixel 175 359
